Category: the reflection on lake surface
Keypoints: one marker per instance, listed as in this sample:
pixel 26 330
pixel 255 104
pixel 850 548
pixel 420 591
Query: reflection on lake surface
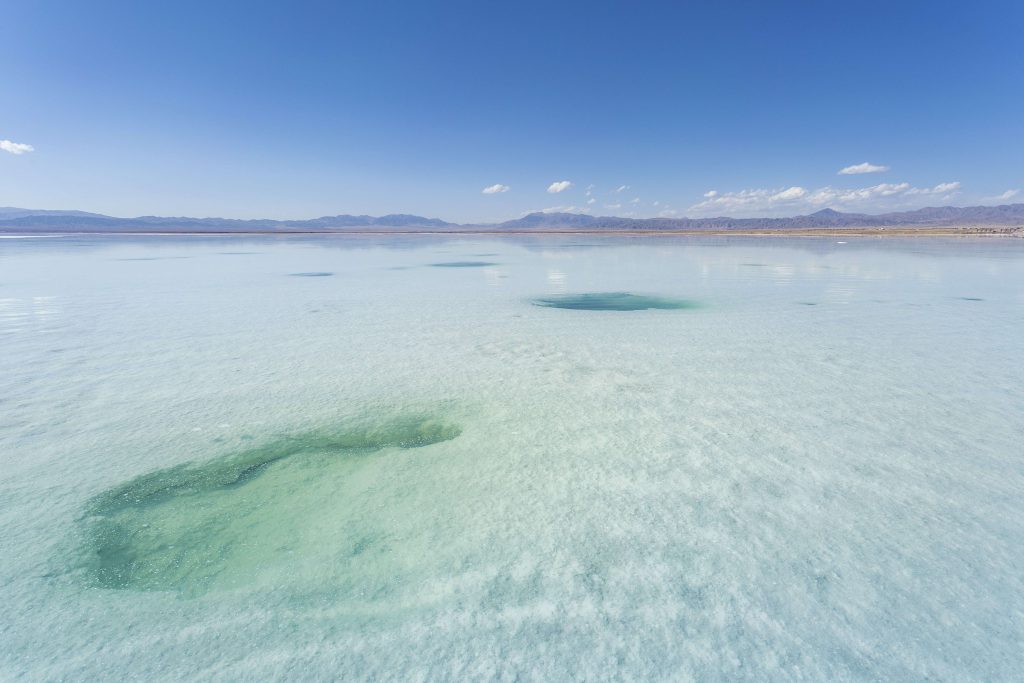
pixel 211 469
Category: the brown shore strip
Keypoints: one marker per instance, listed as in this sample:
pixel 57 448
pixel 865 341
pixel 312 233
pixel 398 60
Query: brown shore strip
pixel 893 231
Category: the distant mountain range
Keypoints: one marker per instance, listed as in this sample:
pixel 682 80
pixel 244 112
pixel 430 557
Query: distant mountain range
pixel 32 220
pixel 14 219
pixel 968 216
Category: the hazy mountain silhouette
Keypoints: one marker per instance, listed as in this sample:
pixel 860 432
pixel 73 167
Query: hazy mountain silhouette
pixel 31 220
pixel 1007 214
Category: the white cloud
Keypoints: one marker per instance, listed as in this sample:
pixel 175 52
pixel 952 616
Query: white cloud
pixel 785 201
pixel 941 188
pixel 613 206
pixel 591 200
pixel 711 193
pixel 496 188
pixel 15 147
pixel 634 200
pixel 559 186
pixel 791 193
pixel 668 213
pixel 863 168
pixel 621 188
pixel 560 209
pixel 1009 194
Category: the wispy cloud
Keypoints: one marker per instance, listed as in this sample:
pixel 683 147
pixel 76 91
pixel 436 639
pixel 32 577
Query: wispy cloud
pixel 790 193
pixel 857 169
pixel 621 188
pixel 15 147
pixel 560 209
pixel 1009 194
pixel 591 200
pixel 613 206
pixel 795 199
pixel 495 188
pixel 941 188
pixel 559 186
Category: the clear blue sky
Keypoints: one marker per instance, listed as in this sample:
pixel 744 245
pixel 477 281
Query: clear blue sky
pixel 303 109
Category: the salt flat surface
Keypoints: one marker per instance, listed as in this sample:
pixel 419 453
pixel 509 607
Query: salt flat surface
pixel 394 458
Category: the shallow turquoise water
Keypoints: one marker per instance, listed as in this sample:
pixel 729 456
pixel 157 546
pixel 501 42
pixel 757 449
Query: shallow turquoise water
pixel 210 468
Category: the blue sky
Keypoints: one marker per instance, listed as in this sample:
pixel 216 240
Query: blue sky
pixel 300 109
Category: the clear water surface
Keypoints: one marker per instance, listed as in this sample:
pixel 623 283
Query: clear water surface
pixel 548 458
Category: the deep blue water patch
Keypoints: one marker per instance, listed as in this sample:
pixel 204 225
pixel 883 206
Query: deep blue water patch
pixel 614 301
pixel 316 273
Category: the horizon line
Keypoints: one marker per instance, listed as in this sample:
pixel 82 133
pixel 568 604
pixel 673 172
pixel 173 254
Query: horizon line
pixel 56 213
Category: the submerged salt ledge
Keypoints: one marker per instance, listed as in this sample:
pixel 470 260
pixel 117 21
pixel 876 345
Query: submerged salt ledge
pixel 463 264
pixel 613 301
pixel 189 527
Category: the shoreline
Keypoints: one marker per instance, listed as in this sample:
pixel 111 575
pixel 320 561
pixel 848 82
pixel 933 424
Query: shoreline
pixel 896 231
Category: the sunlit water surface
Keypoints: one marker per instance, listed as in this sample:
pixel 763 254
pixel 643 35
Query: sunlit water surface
pixel 550 458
